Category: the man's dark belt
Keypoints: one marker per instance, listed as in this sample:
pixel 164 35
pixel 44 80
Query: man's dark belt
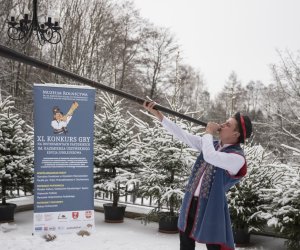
pixel 195 198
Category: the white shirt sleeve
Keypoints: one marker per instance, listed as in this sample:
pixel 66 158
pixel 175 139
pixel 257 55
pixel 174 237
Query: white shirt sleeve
pixel 193 141
pixel 54 124
pixel 230 162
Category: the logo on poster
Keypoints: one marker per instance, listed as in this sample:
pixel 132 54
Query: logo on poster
pixel 39 217
pixel 48 217
pixel 75 215
pixel 38 228
pixel 88 214
pixel 62 217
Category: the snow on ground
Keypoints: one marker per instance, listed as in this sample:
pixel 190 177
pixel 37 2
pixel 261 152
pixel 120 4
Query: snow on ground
pixel 130 235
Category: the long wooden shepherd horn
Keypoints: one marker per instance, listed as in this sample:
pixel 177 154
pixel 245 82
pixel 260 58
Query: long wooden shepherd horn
pixel 17 56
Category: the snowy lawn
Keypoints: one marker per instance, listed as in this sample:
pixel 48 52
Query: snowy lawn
pixel 130 235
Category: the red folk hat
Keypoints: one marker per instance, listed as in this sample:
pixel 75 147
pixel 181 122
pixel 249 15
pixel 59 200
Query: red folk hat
pixel 244 125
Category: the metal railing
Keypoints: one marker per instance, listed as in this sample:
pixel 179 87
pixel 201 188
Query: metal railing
pixel 130 197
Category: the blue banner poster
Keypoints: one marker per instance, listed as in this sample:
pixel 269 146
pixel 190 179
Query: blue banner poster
pixel 63 158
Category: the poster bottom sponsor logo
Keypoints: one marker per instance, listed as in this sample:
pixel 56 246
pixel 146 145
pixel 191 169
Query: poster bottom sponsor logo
pixel 64 222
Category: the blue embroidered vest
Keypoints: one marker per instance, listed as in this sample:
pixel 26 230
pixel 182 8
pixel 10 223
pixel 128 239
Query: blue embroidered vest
pixel 212 221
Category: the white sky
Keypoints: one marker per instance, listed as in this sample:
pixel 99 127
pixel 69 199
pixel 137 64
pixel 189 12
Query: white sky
pixel 221 36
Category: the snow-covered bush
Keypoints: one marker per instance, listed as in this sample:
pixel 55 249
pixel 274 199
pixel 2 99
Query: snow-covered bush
pixel 115 151
pixel 269 194
pixel 248 200
pixel 286 205
pixel 16 151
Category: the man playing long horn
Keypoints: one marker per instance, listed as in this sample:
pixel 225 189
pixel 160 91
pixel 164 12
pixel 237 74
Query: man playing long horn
pixel 60 121
pixel 204 215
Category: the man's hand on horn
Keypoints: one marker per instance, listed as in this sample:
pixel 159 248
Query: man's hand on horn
pixel 212 128
pixel 149 106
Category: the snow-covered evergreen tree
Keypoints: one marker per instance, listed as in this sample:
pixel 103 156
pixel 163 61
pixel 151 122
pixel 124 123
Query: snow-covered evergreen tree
pixel 167 164
pixel 286 205
pixel 248 200
pixel 115 151
pixel 16 151
pixel 269 194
